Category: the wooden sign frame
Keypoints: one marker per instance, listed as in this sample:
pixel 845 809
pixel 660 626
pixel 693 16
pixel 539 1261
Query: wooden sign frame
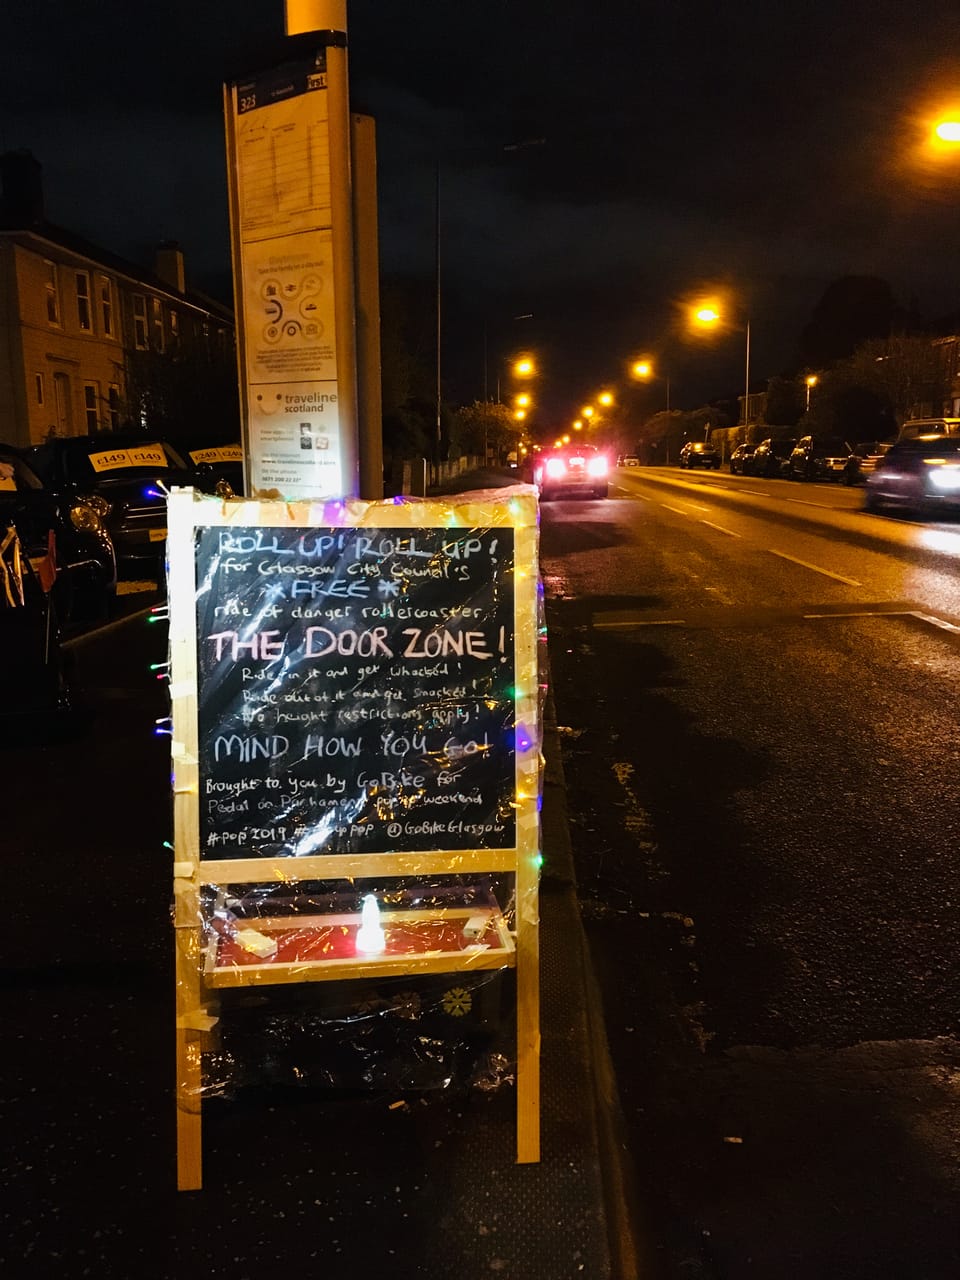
pixel 196 981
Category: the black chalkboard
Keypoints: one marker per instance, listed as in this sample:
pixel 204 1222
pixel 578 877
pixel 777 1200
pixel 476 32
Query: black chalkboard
pixel 355 690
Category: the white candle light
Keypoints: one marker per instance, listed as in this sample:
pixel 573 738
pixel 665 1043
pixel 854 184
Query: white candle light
pixel 370 937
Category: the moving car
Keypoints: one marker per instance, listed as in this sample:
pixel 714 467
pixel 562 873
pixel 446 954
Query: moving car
pixel 921 474
pixel 573 468
pixel 125 479
pixel 772 458
pixel 630 460
pixel 822 458
pixel 62 536
pixel 741 460
pixel 696 453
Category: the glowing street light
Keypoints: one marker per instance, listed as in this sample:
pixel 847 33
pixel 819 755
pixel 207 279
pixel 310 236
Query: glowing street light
pixel 587 411
pixel 578 424
pixel 642 370
pixel 605 398
pixel 812 381
pixel 707 315
pixel 523 368
pixel 948 131
pixel 523 400
pixel 520 414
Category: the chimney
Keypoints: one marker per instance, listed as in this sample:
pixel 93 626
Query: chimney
pixel 21 175
pixel 168 264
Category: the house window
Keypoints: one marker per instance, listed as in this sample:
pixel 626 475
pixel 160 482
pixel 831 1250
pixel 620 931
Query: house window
pixel 157 308
pixel 91 398
pixel 105 286
pixel 38 383
pixel 84 313
pixel 113 406
pixel 140 335
pixel 61 390
pixel 174 322
pixel 52 292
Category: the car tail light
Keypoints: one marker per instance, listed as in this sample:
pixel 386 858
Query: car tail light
pixel 597 466
pixel 555 468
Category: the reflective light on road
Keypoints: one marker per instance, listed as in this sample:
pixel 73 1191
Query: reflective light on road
pixel 941 540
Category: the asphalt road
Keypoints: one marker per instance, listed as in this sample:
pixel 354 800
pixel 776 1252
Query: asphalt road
pixel 757 688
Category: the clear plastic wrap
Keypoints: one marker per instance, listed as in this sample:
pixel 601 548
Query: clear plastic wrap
pixel 356 719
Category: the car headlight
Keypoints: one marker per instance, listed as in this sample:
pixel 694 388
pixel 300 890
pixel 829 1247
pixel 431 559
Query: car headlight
pixel 98 504
pixel 86 518
pixel 943 476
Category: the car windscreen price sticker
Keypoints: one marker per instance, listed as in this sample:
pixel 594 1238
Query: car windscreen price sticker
pixel 356 690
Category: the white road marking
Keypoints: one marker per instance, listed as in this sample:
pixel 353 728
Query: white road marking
pixel 936 622
pixel 851 582
pixel 639 622
pixel 720 529
pixel 822 506
pixel 676 510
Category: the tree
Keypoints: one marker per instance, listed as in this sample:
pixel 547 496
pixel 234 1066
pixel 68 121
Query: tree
pixel 785 401
pixel 187 394
pixel 851 311
pixel 868 396
pixel 485 427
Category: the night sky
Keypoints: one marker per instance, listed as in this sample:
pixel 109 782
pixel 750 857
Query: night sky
pixel 599 162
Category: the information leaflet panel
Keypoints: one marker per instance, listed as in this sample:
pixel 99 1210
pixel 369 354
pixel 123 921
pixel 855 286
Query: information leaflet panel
pixel 356 690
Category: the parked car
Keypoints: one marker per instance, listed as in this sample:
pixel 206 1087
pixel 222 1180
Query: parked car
pixel 697 453
pixel 772 458
pixel 741 460
pixel 868 456
pixel 574 468
pixel 33 674
pixel 822 458
pixel 920 474
pixel 125 479
pixel 64 538
pixel 221 465
pixel 929 427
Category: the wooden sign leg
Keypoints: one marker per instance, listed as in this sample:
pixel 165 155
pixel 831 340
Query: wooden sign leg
pixel 189 1059
pixel 528 1018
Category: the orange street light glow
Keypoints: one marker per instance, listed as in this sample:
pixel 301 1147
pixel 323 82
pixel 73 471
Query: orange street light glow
pixel 812 380
pixel 948 130
pixel 566 439
pixel 577 424
pixel 523 367
pixel 605 398
pixel 523 401
pixel 520 414
pixel 587 410
pixel 707 315
pixel 642 369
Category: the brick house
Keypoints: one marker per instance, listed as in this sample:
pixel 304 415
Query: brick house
pixel 74 318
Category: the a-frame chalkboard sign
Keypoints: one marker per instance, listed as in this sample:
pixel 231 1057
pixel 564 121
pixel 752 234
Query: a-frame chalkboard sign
pixel 355 694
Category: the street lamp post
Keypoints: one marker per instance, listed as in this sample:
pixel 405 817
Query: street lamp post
pixel 706 317
pixel 812 381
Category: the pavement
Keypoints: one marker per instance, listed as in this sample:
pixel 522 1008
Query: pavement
pixel 343 1183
